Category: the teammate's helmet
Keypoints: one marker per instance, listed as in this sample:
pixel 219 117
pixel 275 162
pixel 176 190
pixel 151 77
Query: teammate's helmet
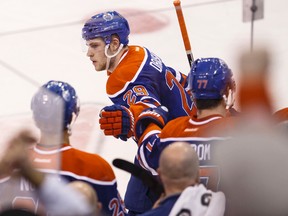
pixel 106 24
pixel 209 78
pixel 54 105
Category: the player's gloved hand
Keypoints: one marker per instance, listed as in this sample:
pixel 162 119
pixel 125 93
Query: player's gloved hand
pixel 158 116
pixel 118 121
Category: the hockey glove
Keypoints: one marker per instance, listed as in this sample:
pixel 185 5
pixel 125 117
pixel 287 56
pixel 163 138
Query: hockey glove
pixel 118 121
pixel 158 116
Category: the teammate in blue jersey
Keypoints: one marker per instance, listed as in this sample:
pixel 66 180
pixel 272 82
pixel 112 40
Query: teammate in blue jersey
pixel 137 78
pixel 212 88
pixel 211 83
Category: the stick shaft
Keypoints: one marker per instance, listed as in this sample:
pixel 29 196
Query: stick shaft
pixel 140 173
pixel 181 21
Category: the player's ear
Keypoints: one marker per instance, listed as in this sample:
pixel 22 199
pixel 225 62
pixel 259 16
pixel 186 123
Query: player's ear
pixel 115 43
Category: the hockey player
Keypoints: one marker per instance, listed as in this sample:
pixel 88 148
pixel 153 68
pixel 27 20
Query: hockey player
pixel 211 83
pixel 179 173
pixel 212 89
pixel 56 100
pixel 137 78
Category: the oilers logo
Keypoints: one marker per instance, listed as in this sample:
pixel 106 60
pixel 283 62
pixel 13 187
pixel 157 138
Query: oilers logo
pixel 108 16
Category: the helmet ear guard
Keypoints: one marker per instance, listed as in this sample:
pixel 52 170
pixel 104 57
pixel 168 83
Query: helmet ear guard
pixel 229 99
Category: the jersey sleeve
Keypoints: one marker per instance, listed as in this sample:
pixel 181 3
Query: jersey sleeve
pixel 181 77
pixel 150 148
pixel 142 80
pixel 155 139
pixel 96 171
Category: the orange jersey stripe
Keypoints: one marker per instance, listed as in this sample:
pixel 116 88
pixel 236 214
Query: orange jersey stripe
pixel 126 70
pixel 74 161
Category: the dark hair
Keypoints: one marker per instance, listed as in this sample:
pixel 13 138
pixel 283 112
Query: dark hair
pixel 208 104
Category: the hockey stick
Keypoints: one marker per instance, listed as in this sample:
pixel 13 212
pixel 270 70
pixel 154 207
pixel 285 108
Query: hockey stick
pixel 140 173
pixel 181 21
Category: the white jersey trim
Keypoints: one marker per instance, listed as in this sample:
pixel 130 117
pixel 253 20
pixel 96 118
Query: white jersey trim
pixel 178 76
pixel 172 139
pixel 204 122
pixel 85 178
pixel 134 78
pixel 51 151
pixel 145 164
pixel 153 132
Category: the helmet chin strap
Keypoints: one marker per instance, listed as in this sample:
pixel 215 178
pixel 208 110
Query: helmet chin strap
pixel 229 100
pixel 111 56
